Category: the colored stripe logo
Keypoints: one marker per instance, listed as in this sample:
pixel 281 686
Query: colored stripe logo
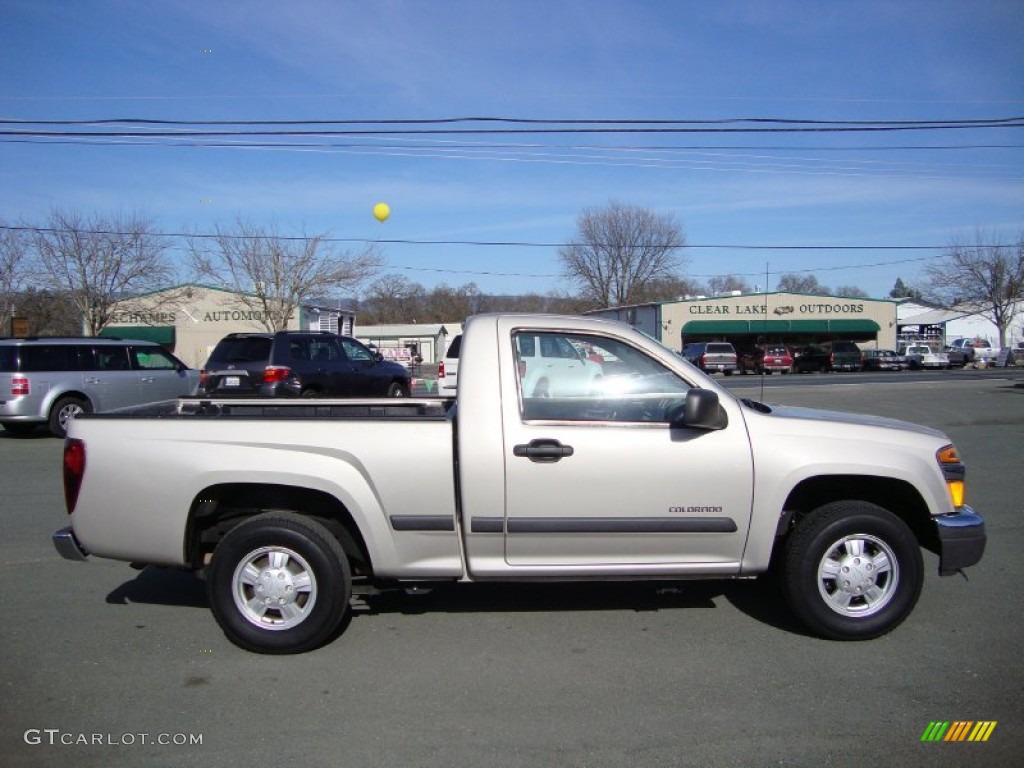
pixel 959 730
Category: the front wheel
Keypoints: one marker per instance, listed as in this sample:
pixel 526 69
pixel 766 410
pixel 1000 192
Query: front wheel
pixel 279 583
pixel 852 571
pixel 398 389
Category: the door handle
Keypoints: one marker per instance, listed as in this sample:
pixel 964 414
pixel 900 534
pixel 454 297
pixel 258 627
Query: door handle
pixel 543 451
pixel 148 379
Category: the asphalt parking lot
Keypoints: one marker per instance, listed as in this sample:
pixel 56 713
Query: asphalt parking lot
pixel 102 663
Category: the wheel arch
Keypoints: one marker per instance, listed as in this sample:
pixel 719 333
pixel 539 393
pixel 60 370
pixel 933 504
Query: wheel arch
pixel 219 508
pixel 54 396
pixel 893 494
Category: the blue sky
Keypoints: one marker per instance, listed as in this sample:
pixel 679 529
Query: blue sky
pixel 581 60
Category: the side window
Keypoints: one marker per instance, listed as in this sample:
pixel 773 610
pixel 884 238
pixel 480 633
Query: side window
pixel 323 350
pixel 356 352
pixel 49 357
pixel 612 381
pixel 153 359
pixel 298 349
pixel 527 346
pixel 111 358
pixel 556 346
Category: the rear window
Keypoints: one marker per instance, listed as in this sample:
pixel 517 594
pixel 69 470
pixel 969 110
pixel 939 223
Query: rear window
pixel 845 346
pixel 8 360
pixel 720 348
pixel 244 349
pixel 456 345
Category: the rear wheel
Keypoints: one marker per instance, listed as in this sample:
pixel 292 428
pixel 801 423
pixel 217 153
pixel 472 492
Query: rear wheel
pixel 279 583
pixel 65 409
pixel 852 571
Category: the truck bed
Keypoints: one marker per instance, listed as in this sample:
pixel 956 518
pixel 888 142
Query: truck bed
pixel 250 408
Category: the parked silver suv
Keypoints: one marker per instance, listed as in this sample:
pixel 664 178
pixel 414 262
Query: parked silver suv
pixel 49 380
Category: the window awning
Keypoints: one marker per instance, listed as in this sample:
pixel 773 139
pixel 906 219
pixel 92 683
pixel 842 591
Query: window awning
pixel 756 327
pixel 161 334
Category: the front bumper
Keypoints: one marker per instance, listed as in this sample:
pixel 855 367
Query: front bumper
pixel 68 546
pixel 961 540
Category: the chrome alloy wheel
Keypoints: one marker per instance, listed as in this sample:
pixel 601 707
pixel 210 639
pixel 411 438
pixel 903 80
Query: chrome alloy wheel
pixel 67 412
pixel 858 575
pixel 274 588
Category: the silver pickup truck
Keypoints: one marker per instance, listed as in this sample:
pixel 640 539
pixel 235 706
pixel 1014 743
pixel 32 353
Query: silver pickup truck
pixel 633 466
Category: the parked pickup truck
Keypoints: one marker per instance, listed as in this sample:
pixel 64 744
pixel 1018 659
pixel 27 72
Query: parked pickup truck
pixel 963 352
pixel 923 356
pixel 647 470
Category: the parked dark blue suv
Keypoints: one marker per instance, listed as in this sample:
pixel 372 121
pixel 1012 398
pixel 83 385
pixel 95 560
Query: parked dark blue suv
pixel 300 364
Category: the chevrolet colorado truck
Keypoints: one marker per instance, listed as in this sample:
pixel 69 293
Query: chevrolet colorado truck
pixel 644 468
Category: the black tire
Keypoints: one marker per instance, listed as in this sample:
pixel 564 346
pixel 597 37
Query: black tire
pixel 63 411
pixel 398 389
pixel 303 567
pixel 20 428
pixel 877 553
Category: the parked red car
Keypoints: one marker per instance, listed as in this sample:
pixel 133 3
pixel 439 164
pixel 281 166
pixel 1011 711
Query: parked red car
pixel 766 360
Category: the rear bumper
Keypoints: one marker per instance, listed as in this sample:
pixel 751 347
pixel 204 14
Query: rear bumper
pixel 961 540
pixel 68 546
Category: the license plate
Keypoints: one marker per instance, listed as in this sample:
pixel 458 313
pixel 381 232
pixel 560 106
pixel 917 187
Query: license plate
pixel 232 381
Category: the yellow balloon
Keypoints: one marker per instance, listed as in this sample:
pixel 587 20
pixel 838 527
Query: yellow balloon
pixel 381 211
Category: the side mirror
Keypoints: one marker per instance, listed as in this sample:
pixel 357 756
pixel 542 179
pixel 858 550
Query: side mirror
pixel 700 410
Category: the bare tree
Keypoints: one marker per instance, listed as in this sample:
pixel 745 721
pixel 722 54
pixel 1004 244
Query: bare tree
pixel 851 292
pixel 986 278
pixel 446 304
pixel 667 289
pixel 801 284
pixel 273 274
pixel 620 249
pixel 720 284
pixel 100 261
pixel 392 299
pixel 49 313
pixel 14 255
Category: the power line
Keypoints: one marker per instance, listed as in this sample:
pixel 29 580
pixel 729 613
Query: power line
pixel 1016 121
pixel 505 145
pixel 494 243
pixel 456 126
pixel 529 244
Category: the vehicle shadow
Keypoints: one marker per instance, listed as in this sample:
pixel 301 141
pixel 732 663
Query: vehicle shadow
pixel 36 434
pixel 759 599
pixel 162 586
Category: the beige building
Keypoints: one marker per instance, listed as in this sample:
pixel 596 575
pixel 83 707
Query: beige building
pixel 745 319
pixel 189 320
